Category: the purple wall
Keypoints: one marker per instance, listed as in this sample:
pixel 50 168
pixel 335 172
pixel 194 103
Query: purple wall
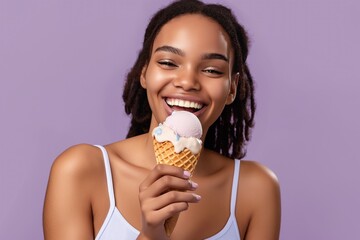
pixel 61 69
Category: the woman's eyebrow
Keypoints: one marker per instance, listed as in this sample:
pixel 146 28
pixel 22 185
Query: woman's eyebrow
pixel 174 50
pixel 215 56
pixel 179 52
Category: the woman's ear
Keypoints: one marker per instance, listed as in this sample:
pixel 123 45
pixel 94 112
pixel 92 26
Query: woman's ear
pixel 142 77
pixel 233 87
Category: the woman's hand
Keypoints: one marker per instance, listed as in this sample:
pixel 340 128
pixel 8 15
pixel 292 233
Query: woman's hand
pixel 162 195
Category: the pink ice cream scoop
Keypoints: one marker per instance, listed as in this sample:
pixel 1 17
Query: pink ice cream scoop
pixel 184 123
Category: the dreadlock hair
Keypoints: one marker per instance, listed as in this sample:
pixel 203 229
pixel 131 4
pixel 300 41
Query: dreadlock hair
pixel 230 132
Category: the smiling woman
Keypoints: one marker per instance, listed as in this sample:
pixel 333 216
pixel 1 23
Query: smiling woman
pixel 193 59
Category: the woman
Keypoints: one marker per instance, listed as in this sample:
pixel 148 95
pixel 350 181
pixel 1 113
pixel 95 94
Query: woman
pixel 195 53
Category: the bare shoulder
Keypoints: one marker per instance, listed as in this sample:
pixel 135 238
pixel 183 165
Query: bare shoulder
pixel 257 175
pixel 68 202
pixel 258 183
pixel 77 161
pixel 259 201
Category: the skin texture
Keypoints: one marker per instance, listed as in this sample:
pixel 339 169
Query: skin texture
pixel 184 64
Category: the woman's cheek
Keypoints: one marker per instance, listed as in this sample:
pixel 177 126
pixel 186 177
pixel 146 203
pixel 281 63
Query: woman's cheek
pixel 220 90
pixel 155 79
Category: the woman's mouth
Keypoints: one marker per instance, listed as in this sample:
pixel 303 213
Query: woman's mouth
pixel 184 105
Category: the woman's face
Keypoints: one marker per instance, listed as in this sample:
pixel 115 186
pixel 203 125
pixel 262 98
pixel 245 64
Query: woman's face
pixel 190 69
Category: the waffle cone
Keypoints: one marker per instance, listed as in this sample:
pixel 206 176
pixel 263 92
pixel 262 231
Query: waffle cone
pixel 165 154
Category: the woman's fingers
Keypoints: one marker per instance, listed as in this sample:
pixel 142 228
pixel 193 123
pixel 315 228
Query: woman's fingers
pixel 161 170
pixel 167 199
pixel 172 209
pixel 157 218
pixel 167 183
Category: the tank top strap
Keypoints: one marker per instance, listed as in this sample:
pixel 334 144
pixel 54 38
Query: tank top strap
pixel 235 186
pixel 108 176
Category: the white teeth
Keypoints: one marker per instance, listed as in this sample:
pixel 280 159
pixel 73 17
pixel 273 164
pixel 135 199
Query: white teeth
pixel 183 103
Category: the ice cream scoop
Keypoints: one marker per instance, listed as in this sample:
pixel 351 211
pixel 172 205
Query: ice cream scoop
pixel 184 123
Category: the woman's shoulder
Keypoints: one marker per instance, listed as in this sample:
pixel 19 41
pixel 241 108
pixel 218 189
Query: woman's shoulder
pixel 255 173
pixel 74 184
pixel 258 193
pixel 78 161
pixel 259 209
pixel 258 181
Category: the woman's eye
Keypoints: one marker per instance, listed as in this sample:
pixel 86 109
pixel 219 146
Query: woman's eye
pixel 167 63
pixel 212 71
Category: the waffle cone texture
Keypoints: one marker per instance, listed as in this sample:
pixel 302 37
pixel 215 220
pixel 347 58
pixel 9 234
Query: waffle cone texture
pixel 165 154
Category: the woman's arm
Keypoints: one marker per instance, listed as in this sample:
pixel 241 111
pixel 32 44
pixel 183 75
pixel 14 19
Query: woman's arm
pixel 262 190
pixel 67 208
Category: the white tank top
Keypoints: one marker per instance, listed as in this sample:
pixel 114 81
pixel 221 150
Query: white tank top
pixel 115 226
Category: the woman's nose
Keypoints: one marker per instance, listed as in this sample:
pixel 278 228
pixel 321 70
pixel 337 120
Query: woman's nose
pixel 187 79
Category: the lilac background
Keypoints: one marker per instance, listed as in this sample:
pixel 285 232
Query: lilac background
pixel 61 69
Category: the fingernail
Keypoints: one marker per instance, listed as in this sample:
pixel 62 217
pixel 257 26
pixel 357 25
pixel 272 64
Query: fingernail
pixel 198 197
pixel 187 174
pixel 194 184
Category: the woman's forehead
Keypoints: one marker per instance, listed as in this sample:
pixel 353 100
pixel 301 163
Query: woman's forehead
pixel 194 32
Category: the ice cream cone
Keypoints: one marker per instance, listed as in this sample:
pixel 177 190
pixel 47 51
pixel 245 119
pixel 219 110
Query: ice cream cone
pixel 177 142
pixel 165 154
